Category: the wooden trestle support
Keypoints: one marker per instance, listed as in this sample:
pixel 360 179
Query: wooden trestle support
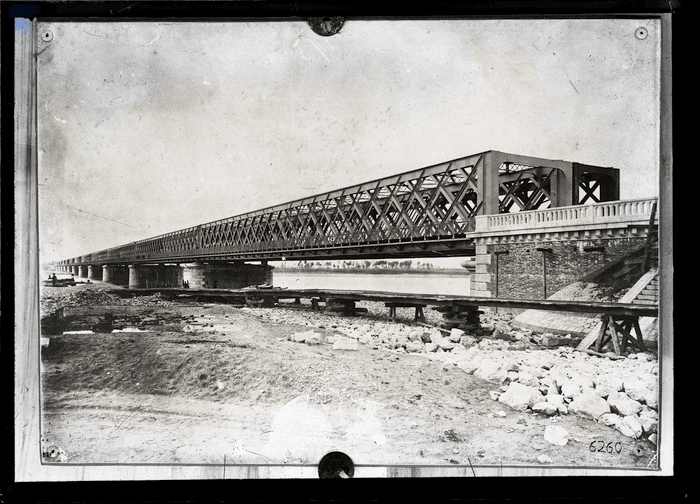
pixel 618 330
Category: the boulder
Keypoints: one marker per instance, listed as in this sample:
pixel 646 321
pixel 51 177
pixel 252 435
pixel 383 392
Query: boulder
pixel 455 335
pixel 342 343
pixel 459 349
pixel 555 399
pixel 490 370
pixel 610 419
pixel 511 365
pixel 520 397
pixel 446 344
pixel 431 347
pixel 556 435
pixel 620 403
pixel 649 419
pixel 630 426
pixel 300 337
pixel 583 382
pixel 558 401
pixel 415 347
pixel 635 389
pixel 545 407
pixel 365 338
pixel 607 383
pixel 313 338
pixel 528 379
pixel 650 380
pixel 415 335
pixel 569 388
pixel 651 397
pixel 590 404
pixel 468 366
pixel 467 341
pixel 544 459
pixel 425 337
pixel 485 344
pixel 505 336
pixel 549 340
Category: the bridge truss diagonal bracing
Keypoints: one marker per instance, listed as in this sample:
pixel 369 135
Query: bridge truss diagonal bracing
pixel 419 213
pixel 432 203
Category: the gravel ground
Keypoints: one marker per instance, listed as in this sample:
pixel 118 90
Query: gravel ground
pixel 412 389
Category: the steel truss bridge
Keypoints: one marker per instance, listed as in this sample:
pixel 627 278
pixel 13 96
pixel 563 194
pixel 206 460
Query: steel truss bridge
pixel 428 212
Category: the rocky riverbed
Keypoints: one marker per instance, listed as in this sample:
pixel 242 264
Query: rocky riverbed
pixel 210 383
pixel 531 373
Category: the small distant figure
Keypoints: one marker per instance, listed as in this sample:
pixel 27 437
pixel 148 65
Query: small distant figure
pixel 54 280
pixel 88 281
pixel 214 286
pixel 206 284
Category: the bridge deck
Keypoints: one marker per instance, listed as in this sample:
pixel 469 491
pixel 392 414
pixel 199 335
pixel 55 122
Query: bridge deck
pixel 614 309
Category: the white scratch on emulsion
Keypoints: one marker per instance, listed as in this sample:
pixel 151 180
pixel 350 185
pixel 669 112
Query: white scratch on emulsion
pixel 157 37
pixel 319 50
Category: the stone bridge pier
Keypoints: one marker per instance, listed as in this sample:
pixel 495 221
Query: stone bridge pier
pixel 227 275
pixel 82 271
pixel 209 275
pixel 95 273
pixel 115 274
pixel 154 275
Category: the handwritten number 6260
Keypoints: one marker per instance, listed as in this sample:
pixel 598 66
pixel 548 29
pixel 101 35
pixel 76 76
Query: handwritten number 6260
pixel 609 448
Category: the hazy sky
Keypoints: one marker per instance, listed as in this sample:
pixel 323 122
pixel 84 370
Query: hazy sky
pixel 146 128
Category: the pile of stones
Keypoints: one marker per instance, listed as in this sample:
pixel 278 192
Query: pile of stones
pixel 53 299
pixel 623 394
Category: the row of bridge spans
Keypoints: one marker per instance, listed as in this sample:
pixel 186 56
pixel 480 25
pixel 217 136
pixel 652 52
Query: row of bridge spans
pixel 424 212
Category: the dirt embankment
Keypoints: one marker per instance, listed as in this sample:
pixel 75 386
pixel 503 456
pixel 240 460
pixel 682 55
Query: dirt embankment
pixel 213 384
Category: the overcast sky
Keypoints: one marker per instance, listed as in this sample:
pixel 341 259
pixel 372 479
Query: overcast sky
pixel 146 128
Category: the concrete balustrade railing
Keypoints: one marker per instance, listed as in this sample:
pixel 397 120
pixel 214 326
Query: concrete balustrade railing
pixel 630 211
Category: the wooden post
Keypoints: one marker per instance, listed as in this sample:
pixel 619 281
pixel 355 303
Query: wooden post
pixel 497 253
pixel 544 251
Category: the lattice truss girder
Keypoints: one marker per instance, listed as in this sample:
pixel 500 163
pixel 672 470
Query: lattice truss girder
pixel 427 205
pixel 588 184
pixel 523 187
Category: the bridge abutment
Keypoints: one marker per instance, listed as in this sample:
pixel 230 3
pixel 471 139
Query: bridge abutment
pixel 531 267
pixel 154 275
pixel 117 275
pixel 532 255
pixel 227 275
